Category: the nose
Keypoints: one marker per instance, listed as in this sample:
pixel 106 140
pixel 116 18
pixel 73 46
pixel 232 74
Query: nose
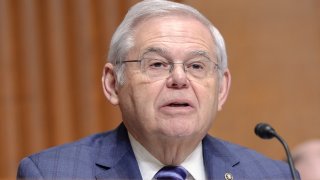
pixel 178 78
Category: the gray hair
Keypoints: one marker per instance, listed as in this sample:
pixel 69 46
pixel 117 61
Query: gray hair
pixel 122 40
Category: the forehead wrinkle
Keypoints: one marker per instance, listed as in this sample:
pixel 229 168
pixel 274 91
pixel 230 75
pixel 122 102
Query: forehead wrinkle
pixel 163 52
pixel 178 39
pixel 157 50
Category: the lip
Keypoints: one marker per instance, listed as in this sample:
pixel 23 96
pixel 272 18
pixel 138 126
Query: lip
pixel 168 109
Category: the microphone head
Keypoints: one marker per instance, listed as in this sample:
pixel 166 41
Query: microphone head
pixel 264 131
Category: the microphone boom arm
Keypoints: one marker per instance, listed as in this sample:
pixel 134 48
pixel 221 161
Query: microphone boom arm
pixel 289 157
pixel 265 131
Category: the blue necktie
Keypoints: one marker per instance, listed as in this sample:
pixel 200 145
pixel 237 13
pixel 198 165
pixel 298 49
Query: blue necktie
pixel 171 173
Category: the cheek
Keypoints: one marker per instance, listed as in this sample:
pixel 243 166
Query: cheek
pixel 145 95
pixel 207 94
pixel 139 99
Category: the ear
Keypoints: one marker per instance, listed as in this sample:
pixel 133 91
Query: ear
pixel 109 84
pixel 225 83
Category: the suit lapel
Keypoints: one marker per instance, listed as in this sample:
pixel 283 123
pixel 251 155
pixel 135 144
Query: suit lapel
pixel 116 159
pixel 219 161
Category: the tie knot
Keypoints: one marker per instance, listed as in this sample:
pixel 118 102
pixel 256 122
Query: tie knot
pixel 171 173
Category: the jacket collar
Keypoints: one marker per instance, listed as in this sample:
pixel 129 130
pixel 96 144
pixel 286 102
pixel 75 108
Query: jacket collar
pixel 115 159
pixel 219 160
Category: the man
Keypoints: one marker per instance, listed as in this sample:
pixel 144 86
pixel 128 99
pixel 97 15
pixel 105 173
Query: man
pixel 168 73
pixel 306 157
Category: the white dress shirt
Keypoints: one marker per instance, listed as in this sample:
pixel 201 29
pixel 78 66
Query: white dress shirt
pixel 149 165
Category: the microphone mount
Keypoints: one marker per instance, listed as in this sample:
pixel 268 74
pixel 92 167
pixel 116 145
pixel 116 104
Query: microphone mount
pixel 265 131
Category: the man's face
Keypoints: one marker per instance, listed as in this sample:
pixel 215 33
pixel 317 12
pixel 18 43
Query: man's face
pixel 176 105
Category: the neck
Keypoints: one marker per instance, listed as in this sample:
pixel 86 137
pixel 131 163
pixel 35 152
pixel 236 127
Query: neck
pixel 170 150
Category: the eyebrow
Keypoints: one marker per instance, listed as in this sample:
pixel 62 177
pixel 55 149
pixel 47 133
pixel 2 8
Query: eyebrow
pixel 200 53
pixel 157 50
pixel 164 53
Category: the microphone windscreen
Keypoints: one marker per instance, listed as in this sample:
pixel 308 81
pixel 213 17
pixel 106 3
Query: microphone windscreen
pixel 265 131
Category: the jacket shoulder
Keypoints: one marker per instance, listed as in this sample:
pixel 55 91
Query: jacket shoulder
pixel 74 159
pixel 250 163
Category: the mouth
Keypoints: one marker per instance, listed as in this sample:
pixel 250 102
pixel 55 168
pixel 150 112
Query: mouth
pixel 175 107
pixel 178 104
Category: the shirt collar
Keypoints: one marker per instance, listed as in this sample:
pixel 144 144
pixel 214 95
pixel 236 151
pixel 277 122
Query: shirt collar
pixel 149 165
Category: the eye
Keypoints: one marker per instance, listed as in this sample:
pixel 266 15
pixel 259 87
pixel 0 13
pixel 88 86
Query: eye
pixel 196 66
pixel 157 64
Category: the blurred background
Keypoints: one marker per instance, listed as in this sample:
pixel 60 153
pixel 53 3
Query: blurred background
pixel 52 53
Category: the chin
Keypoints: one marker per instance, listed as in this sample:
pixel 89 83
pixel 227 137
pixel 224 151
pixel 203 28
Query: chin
pixel 178 132
pixel 176 127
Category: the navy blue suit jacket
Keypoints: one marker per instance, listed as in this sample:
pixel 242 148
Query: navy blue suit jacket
pixel 109 156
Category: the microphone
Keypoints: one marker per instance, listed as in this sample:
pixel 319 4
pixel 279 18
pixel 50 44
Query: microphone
pixel 265 131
